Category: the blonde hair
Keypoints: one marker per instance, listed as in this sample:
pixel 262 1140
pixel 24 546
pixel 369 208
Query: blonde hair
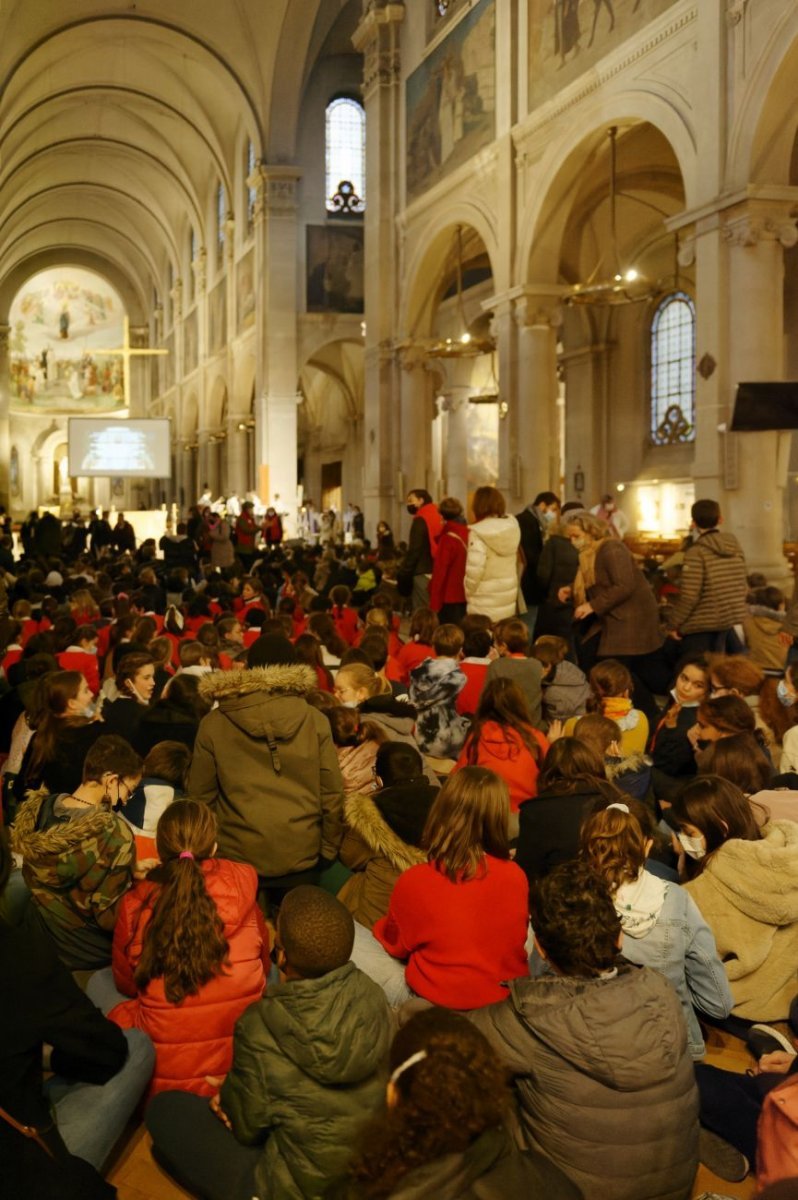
pixel 594 526
pixel 468 820
pixel 364 678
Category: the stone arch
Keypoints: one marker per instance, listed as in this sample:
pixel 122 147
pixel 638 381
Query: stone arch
pixel 216 405
pixel 762 137
pixel 134 302
pixel 431 266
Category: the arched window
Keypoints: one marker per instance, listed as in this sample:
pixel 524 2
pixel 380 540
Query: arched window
pixel 673 371
pixel 346 156
pixel 250 192
pixel 221 218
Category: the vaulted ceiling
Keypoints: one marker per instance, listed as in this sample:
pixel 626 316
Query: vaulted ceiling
pixel 118 118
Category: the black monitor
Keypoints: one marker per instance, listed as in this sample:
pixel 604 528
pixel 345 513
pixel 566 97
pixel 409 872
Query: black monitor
pixel 761 406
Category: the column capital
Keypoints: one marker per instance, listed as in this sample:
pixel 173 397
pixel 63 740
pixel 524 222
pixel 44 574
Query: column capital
pixel 453 398
pixel 177 299
pixel 199 266
pixel 760 221
pixel 538 305
pixel 139 336
pixel 277 188
pixel 377 39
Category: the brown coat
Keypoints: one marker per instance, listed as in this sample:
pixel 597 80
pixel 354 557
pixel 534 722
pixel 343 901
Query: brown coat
pixel 376 855
pixel 713 585
pixel 624 603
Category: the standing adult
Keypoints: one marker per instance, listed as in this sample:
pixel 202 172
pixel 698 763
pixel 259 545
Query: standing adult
pixel 535 522
pixel 358 524
pixel 246 532
pixel 425 532
pixel 47 536
pixel 616 608
pixel 100 532
pixel 557 568
pixel 447 586
pixel 124 538
pixel 608 511
pixel 222 549
pixel 491 576
pixel 272 528
pixel 713 588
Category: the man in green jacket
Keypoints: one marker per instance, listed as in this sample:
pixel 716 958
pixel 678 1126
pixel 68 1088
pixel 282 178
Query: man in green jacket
pixel 309 1068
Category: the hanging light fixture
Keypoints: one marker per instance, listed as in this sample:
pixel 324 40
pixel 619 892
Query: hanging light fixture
pixel 625 284
pixel 463 344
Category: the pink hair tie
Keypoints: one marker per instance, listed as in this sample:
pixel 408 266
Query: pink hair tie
pixel 186 854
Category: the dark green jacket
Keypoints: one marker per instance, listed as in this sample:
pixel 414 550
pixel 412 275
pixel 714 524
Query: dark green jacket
pixel 309 1068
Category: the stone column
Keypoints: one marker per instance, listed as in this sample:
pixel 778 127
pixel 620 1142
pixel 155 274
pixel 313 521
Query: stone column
pixel 206 464
pixel 539 317
pixel 377 38
pixel 277 367
pixel 454 402
pixel 5 420
pixel 756 234
pixel 409 458
pixel 237 450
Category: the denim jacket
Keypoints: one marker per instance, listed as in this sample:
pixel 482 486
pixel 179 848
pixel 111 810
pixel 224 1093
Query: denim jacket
pixel 681 946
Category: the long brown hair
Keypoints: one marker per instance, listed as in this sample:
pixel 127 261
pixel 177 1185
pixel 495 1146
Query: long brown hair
pixel 53 693
pixel 719 810
pixel 613 843
pixel 445 1098
pixel 741 760
pixel 468 820
pixel 184 942
pixel 573 766
pixel 502 703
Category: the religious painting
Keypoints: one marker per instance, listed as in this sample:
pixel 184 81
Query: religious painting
pixel 217 318
pixel 65 324
pixel 483 446
pixel 335 268
pixel 190 343
pixel 451 100
pixel 245 291
pixel 13 471
pixel 566 37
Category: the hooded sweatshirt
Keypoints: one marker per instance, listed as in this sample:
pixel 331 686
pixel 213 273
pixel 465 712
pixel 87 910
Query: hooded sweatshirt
pixel 713 586
pixel 748 895
pixel 309 1068
pixel 491 577
pixel 604 1079
pixel 264 760
pixel 566 693
pixel 503 751
pixel 434 688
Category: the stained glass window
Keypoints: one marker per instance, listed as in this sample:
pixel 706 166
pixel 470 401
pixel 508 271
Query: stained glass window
pixel 673 371
pixel 251 192
pixel 346 156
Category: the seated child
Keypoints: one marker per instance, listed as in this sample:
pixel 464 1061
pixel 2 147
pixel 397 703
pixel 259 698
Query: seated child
pixel 611 686
pixel 347 622
pixel 763 627
pixel 672 753
pixel 565 688
pixel 423 624
pixel 308 1070
pixel 164 776
pixel 599 1051
pixel 474 665
pixel 511 638
pixel 630 773
pixel 434 687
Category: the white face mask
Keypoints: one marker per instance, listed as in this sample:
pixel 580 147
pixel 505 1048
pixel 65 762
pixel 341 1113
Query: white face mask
pixel 695 847
pixel 349 704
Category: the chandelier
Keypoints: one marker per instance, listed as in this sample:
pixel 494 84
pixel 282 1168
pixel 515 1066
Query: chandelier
pixel 625 284
pixel 464 344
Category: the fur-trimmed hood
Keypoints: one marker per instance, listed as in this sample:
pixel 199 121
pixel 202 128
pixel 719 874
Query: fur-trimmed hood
pixel 264 702
pixel 289 679
pixel 39 845
pixel 637 762
pixel 365 819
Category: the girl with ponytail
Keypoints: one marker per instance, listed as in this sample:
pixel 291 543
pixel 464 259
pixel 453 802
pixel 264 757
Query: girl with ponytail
pixel 191 950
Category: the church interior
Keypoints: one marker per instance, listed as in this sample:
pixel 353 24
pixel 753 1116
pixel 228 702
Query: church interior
pixel 447 317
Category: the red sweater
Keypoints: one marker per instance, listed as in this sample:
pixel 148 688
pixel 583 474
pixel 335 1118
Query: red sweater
pixel 448 572
pixel 346 623
pixel 412 655
pixel 75 659
pixel 195 1038
pixel 468 699
pixel 463 941
pixel 503 751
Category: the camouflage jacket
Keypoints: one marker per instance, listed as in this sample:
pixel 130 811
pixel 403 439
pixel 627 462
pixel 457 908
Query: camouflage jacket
pixel 77 865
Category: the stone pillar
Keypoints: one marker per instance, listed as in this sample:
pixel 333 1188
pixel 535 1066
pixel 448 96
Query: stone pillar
pixel 454 402
pixel 377 38
pixel 237 450
pixel 756 234
pixel 188 484
pixel 410 456
pixel 503 329
pixel 277 366
pixel 5 420
pixel 206 463
pixel 539 317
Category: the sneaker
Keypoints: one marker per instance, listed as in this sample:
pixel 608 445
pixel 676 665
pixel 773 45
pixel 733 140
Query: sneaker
pixel 764 1039
pixel 721 1157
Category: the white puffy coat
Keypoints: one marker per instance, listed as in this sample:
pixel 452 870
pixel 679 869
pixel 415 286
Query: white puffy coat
pixel 491 575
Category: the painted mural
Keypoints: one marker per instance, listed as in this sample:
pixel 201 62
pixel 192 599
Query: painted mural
pixel 483 446
pixel 566 37
pixel 335 268
pixel 451 100
pixel 64 323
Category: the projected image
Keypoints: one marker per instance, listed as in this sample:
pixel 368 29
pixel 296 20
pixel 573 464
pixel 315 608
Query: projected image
pixel 116 450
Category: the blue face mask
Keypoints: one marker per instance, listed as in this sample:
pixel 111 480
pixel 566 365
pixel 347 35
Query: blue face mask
pixel 785 696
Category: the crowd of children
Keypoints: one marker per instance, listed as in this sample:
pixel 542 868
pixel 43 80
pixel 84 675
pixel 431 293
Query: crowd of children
pixel 357 905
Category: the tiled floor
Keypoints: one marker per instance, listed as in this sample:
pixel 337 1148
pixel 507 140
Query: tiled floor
pixel 137 1176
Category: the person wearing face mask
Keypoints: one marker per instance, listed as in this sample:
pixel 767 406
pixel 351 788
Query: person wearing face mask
pixel 135 683
pixel 415 572
pixel 536 523
pixel 742 872
pixel 79 857
pixel 720 717
pixel 64 733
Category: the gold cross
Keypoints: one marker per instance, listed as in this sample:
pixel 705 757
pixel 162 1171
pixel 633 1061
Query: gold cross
pixel 126 353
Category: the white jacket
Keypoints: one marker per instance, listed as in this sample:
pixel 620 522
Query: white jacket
pixel 491 574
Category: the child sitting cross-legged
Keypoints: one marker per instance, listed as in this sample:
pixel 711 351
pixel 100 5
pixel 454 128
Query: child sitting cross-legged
pixel 511 638
pixel 308 1069
pixel 434 687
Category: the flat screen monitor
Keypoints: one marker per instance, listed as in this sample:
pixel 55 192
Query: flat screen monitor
pixel 125 449
pixel 760 406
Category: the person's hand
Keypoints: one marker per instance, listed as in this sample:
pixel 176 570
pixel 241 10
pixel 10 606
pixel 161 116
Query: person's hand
pixel 674 635
pixel 785 639
pixel 564 594
pixel 216 1081
pixel 693 734
pixel 144 866
pixel 555 730
pixel 778 1062
pixel 584 610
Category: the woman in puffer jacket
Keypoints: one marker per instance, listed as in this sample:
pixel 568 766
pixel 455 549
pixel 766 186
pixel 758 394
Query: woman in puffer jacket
pixel 491 576
pixel 191 949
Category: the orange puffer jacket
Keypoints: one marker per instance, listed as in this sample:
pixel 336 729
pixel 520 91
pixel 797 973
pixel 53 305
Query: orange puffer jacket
pixel 195 1038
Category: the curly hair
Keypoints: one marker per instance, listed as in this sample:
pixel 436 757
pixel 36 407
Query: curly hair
pixel 444 1100
pixel 613 843
pixel 184 942
pixel 575 921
